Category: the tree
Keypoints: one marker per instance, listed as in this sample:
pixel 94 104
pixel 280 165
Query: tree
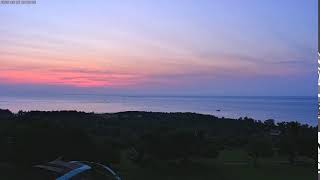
pixel 40 143
pixel 178 145
pixel 5 114
pixel 258 147
pixel 289 140
pixel 269 124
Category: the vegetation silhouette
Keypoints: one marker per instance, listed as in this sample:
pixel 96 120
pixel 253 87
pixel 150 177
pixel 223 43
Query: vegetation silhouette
pixel 147 139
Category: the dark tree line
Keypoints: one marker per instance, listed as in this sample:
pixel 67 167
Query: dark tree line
pixel 34 137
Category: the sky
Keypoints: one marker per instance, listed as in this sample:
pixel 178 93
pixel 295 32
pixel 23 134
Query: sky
pixel 169 47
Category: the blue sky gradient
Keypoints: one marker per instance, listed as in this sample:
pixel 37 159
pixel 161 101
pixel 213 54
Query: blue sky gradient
pixel 205 47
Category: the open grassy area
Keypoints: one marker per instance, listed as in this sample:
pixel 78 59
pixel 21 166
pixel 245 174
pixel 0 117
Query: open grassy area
pixel 229 165
pixel 275 168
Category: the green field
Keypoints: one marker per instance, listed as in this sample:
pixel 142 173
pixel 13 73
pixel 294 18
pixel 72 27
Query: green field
pixel 229 165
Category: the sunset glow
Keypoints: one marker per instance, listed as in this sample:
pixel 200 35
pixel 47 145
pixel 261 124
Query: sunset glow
pixel 168 44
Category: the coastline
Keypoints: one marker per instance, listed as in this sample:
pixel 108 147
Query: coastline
pixel 301 109
pixel 138 113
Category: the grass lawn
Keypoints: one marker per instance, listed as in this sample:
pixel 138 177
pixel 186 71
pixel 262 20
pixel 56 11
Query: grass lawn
pixel 275 168
pixel 229 165
pixel 268 172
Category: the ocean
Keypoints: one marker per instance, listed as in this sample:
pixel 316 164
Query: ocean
pixel 301 109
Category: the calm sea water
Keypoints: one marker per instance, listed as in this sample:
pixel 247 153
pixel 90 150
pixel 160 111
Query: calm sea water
pixel 301 109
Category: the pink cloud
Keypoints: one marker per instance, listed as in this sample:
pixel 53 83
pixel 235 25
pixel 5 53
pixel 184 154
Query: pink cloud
pixel 71 78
